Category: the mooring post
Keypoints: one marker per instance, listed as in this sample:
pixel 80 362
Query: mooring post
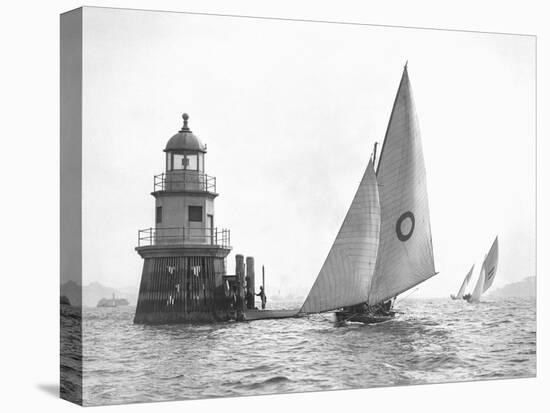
pixel 250 280
pixel 239 272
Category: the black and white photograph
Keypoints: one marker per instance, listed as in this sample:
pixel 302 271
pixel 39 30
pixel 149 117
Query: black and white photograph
pixel 254 206
pixel 276 206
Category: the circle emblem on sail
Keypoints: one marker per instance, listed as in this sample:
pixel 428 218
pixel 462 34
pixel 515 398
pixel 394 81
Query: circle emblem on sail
pixel 404 226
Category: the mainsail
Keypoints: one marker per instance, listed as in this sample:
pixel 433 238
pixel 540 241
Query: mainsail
pixel 405 255
pixel 491 263
pixel 462 289
pixel 488 272
pixel 487 275
pixel 346 274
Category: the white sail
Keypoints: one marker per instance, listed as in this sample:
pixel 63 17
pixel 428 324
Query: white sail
pixel 405 256
pixel 345 276
pixel 488 272
pixel 478 289
pixel 491 262
pixel 462 289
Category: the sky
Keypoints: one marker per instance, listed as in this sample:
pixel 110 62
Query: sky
pixel 290 112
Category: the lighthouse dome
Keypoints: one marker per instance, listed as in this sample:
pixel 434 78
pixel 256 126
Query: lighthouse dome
pixel 185 140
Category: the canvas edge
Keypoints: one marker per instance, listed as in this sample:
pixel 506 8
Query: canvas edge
pixel 71 203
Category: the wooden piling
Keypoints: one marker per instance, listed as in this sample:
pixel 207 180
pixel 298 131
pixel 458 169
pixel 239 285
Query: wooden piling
pixel 250 277
pixel 240 273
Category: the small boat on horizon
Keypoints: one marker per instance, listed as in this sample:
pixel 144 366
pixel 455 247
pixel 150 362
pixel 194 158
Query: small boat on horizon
pixel 112 302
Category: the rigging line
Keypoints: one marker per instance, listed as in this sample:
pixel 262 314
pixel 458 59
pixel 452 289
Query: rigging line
pixel 400 299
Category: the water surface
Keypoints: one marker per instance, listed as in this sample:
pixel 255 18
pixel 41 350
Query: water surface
pixel 433 341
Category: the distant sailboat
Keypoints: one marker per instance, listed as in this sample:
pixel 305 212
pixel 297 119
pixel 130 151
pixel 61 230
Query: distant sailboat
pixel 390 251
pixel 462 289
pixel 486 275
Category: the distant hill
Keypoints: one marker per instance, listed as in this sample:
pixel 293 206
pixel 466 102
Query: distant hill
pixel 523 288
pixel 71 290
pixel 94 292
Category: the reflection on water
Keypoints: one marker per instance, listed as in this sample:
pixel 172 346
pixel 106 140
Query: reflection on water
pixel 432 341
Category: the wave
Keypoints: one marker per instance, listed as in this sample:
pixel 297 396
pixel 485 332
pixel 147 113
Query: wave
pixel 433 341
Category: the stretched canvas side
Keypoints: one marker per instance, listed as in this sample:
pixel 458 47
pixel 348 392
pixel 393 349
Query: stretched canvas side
pixel 71 207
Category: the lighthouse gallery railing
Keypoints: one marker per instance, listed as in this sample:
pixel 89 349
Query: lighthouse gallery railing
pixel 184 180
pixel 181 236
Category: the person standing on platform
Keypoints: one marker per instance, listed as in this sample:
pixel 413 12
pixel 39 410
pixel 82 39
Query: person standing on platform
pixel 262 296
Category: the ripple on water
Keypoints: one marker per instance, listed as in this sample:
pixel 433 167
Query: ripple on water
pixel 432 341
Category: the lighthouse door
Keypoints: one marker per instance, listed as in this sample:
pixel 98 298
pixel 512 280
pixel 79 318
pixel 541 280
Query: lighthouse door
pixel 211 228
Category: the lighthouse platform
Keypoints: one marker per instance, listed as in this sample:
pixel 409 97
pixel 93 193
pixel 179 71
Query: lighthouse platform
pixel 251 315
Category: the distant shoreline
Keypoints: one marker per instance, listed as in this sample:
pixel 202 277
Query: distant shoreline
pixel 89 295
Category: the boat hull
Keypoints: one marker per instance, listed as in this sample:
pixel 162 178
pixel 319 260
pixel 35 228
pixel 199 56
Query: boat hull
pixel 365 318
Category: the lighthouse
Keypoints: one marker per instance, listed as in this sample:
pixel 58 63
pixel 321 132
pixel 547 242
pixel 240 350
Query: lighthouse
pixel 185 252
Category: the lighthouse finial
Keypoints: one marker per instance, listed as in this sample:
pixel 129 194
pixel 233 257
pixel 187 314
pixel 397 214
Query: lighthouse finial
pixel 185 127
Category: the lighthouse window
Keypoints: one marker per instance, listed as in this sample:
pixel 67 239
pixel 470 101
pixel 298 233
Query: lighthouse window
pixel 184 161
pixel 158 215
pixel 195 214
pixel 192 162
pixel 178 161
pixel 201 162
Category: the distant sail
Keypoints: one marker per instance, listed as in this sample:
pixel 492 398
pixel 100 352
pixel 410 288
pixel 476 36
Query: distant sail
pixel 488 272
pixel 491 263
pixel 405 256
pixel 478 289
pixel 346 274
pixel 460 293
